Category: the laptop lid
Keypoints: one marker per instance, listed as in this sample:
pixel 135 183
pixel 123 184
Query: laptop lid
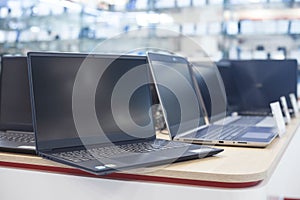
pixel 15 109
pixel 211 88
pixel 260 82
pixel 56 99
pixel 232 95
pixel 177 93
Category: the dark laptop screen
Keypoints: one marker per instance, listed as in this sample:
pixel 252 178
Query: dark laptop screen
pixel 260 82
pixel 233 98
pixel 212 89
pixel 15 110
pixel 54 89
pixel 176 90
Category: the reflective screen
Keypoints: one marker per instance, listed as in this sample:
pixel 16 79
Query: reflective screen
pixel 232 94
pixel 212 89
pixel 15 110
pixel 176 92
pixel 53 80
pixel 260 82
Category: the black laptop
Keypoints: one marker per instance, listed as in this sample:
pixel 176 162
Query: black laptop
pixel 94 112
pixel 212 89
pixel 16 132
pixel 251 85
pixel 211 86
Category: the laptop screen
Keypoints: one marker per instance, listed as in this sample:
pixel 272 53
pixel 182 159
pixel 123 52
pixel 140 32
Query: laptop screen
pixel 232 95
pixel 212 89
pixel 177 93
pixel 15 110
pixel 260 82
pixel 64 85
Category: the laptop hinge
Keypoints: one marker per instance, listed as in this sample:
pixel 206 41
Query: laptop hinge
pixel 191 131
pixel 15 131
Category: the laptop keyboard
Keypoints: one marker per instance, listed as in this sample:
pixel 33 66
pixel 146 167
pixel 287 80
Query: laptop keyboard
pixel 222 132
pixel 17 137
pixel 120 150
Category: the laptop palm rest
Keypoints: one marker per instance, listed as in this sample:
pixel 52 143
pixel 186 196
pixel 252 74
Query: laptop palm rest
pixel 266 122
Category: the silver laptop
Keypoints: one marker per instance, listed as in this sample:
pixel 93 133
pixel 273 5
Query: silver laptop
pixel 185 113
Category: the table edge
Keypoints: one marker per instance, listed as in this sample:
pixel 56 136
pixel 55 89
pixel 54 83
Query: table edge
pixel 130 177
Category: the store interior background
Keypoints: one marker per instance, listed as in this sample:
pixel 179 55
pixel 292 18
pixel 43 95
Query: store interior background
pixel 234 29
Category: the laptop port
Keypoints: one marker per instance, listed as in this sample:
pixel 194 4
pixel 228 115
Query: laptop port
pixel 221 142
pixel 242 142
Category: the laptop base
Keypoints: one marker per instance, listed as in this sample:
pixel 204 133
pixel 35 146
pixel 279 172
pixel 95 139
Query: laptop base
pixel 106 165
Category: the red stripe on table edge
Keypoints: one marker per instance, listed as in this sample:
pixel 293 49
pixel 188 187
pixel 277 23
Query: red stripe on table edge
pixel 130 177
pixel 290 199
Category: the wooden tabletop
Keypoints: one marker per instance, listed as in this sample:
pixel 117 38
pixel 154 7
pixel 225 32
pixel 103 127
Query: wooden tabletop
pixel 235 167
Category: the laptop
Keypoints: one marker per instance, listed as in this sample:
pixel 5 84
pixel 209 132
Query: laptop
pixel 93 112
pixel 16 131
pixel 212 89
pixel 174 72
pixel 254 80
pixel 232 95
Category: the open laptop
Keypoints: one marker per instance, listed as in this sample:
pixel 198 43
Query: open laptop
pixel 87 117
pixel 212 90
pixel 16 131
pixel 232 95
pixel 254 81
pixel 169 69
pixel 213 93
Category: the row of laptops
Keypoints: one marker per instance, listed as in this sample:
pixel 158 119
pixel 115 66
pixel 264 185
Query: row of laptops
pixel 215 126
pixel 75 140
pixel 73 117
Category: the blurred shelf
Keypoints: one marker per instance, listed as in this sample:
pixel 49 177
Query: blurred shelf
pixel 222 25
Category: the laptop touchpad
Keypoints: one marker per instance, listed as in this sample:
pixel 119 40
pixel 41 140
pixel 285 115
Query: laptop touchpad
pixel 256 135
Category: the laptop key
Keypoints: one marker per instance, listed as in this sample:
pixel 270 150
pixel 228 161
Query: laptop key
pixel 17 137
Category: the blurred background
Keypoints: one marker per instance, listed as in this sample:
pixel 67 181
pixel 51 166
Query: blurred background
pixel 234 29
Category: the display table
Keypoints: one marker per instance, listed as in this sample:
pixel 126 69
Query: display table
pixel 236 173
